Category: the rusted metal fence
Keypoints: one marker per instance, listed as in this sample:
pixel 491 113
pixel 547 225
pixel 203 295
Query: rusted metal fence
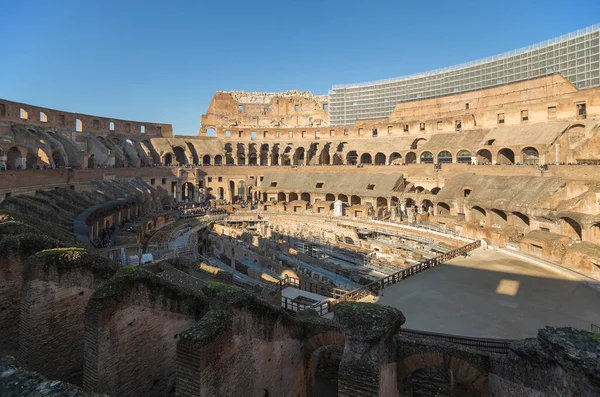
pixel 500 346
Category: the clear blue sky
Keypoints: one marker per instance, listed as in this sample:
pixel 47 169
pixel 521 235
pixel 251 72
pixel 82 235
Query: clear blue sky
pixel 163 60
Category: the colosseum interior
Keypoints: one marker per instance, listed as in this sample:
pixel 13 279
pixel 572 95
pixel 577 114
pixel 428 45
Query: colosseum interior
pixel 451 248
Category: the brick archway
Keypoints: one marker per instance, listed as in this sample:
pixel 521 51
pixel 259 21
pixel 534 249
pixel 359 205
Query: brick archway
pixel 466 380
pixel 311 345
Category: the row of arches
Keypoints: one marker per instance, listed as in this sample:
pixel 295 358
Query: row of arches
pixel 16 159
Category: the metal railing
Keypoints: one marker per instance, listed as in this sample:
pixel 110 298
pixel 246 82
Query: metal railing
pixel 315 288
pixel 500 346
pixel 595 328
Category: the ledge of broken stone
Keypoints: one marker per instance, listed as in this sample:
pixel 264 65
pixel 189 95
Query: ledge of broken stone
pixel 66 259
pixel 367 321
pixel 25 244
pixel 18 382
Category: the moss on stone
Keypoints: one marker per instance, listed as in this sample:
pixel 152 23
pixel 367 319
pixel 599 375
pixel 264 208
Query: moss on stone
pixel 63 259
pixel 26 244
pixel 213 324
pixel 367 320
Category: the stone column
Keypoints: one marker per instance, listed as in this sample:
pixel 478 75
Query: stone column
pixel 368 366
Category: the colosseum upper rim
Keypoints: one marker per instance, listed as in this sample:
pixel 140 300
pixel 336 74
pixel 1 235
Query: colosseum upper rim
pixel 309 204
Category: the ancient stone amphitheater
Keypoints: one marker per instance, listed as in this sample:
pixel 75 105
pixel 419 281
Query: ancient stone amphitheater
pixel 275 254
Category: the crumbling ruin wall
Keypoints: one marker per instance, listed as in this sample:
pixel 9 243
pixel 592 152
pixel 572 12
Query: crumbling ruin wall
pixel 14 250
pixel 57 286
pixel 132 325
pixel 249 347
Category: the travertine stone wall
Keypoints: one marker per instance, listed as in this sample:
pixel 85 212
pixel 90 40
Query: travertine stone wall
pixel 132 325
pixel 57 286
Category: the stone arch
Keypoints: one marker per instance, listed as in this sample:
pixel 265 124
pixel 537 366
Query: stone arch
pixel 210 132
pixel 571 228
pixel 463 157
pixel 351 157
pixel 192 149
pixel 187 191
pixel 92 161
pixel 312 345
pixel 299 155
pixel 58 158
pixel 484 156
pixel 168 159
pixel 411 158
pixel 530 155
pixel 14 158
pixel 380 159
pixel 520 219
pixel 382 202
pixel 444 157
pixel 355 200
pixel 443 208
pixel 426 158
pixel 419 189
pixel 366 158
pixel 478 214
pixel 281 196
pixel 293 196
pixel 343 198
pixel 435 190
pixel 264 154
pixel 218 159
pixel 418 143
pixel 325 157
pixel 348 240
pixel 305 196
pixel 252 159
pixel 499 217
pixel 418 372
pixel 505 156
pixel 395 158
pixel 329 197
pixel 180 156
pixel 206 159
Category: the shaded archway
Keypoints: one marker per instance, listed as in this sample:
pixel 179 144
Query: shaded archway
pixel 530 156
pixel 252 159
pixel 411 158
pixel 435 190
pixel 478 214
pixel 463 157
pixel 192 150
pixel 180 156
pixel 426 158
pixel 168 159
pixel 281 196
pixel 218 159
pixel 366 158
pixel 444 157
pixel 352 157
pixel 14 159
pixel 355 200
pixel 505 157
pixel 264 154
pixel 206 159
pixel 443 208
pixel 299 156
pixel 484 156
pixel 92 161
pixel 380 159
pixel 520 219
pixel 417 143
pixel 220 193
pixel 343 198
pixel 58 159
pixel 329 197
pixel 305 196
pixel 293 196
pixel 187 191
pixel 571 228
pixel 395 158
pixel 499 217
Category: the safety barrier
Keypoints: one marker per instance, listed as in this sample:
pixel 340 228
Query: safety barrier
pixel 500 346
pixel 315 288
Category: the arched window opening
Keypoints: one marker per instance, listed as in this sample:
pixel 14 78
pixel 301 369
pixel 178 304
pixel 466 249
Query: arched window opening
pixel 366 158
pixel 395 158
pixel 531 156
pixel 411 158
pixel 380 159
pixel 463 157
pixel 426 158
pixel 444 157
pixel 484 157
pixel 352 157
pixel 506 157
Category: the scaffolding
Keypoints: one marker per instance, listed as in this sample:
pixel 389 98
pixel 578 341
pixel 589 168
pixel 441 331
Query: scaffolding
pixel 574 55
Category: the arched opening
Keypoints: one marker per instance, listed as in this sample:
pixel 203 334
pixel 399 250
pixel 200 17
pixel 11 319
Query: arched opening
pixel 395 158
pixel 530 156
pixel 58 159
pixel 192 150
pixel 293 196
pixel 505 157
pixel 92 161
pixel 14 159
pixel 241 154
pixel 351 157
pixel 252 159
pixel 444 157
pixel 571 228
pixel 187 192
pixel 417 143
pixel 348 240
pixel 484 157
pixel 325 158
pixel 435 190
pixel 299 156
pixel 343 198
pixel 520 219
pixel 463 157
pixel 411 158
pixel 419 189
pixel 241 190
pixel 355 200
pixel 366 158
pixel 478 214
pixel 380 159
pixel 305 197
pixel 325 364
pixel 329 197
pixel 426 158
pixel 280 196
pixel 443 208
pixel 168 159
pixel 180 156
pixel 218 159
pixel 210 132
pixel 232 192
pixel 382 202
pixel 499 217
pixel 264 154
pixel 221 193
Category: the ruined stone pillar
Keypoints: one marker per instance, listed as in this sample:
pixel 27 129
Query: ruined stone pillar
pixel 57 285
pixel 368 366
pixel 269 156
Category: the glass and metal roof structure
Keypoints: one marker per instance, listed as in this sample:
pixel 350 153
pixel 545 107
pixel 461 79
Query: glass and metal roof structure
pixel 575 55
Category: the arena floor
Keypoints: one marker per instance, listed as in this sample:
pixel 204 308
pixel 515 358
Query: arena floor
pixel 492 294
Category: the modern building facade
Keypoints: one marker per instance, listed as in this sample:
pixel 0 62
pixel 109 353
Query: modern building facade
pixel 575 55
